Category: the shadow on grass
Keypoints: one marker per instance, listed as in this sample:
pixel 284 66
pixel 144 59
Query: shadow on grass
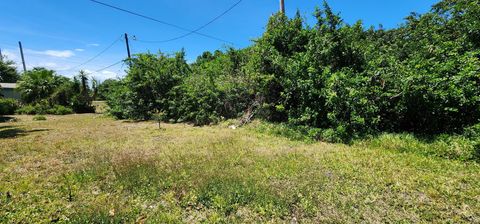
pixel 6 119
pixel 12 131
pixel 133 121
pixel 6 127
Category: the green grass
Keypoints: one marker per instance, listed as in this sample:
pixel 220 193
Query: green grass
pixel 89 168
pixel 39 118
pixel 100 106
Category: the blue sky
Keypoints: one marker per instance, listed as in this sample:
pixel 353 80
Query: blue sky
pixel 61 34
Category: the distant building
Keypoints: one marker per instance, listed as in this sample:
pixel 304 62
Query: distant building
pixel 9 90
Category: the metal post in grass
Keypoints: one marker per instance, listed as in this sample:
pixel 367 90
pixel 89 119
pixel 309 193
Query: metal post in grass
pixel 159 116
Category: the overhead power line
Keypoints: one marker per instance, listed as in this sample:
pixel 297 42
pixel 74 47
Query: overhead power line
pixel 98 55
pixel 173 25
pixel 105 68
pixel 195 30
pixel 10 45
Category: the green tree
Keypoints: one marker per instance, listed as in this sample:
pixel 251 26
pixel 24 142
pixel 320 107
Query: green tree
pixel 81 100
pixel 95 84
pixel 8 72
pixel 148 85
pixel 83 77
pixel 105 88
pixel 38 84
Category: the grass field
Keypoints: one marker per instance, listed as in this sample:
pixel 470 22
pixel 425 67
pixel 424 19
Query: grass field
pixel 89 168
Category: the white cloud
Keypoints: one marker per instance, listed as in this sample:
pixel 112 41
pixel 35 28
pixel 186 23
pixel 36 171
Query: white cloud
pixel 103 75
pixel 79 49
pixel 10 55
pixel 93 45
pixel 53 53
pixel 60 54
pixel 48 64
pixel 108 75
pixel 88 71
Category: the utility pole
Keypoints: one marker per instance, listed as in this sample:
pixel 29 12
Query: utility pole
pixel 282 6
pixel 1 55
pixel 128 46
pixel 23 58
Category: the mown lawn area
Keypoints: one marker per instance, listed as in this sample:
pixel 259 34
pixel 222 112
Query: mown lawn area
pixel 90 168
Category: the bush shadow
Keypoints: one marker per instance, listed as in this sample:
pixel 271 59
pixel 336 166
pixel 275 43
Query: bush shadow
pixel 4 119
pixel 13 131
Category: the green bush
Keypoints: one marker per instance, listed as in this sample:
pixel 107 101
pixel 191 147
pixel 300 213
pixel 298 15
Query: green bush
pixel 473 134
pixel 82 104
pixel 27 109
pixel 333 81
pixel 8 106
pixel 44 108
pixel 59 110
pixel 32 109
pixel 148 86
pixel 39 118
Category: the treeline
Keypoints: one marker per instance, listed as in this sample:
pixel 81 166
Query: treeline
pixel 43 91
pixel 340 80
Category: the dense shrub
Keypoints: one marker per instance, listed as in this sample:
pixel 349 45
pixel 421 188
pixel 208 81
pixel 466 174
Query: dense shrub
pixel 59 110
pixel 43 107
pixel 8 106
pixel 472 133
pixel 104 89
pixel 358 81
pixel 339 81
pixel 29 110
pixel 148 85
pixel 82 104
pixel 215 89
pixel 32 109
pixel 211 89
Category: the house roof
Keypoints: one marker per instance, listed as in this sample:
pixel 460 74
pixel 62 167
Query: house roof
pixel 8 85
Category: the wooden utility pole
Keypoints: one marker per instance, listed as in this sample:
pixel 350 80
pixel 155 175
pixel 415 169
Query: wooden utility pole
pixel 128 46
pixel 282 6
pixel 23 58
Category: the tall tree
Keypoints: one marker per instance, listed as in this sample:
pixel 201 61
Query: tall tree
pixel 84 80
pixel 95 84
